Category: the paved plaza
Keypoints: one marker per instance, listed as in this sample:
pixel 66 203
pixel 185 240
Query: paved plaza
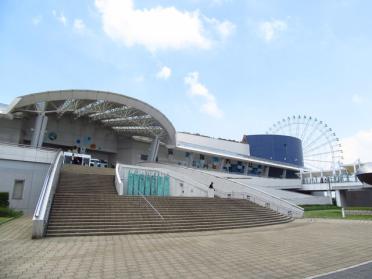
pixel 296 250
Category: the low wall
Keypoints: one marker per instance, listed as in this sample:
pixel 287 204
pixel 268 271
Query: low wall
pixel 26 153
pixel 33 175
pixel 349 212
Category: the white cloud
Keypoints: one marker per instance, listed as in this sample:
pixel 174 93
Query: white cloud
pixel 358 146
pixel 36 20
pixel 79 25
pixel 269 30
pixel 60 17
pixel 223 29
pixel 357 99
pixel 197 89
pixel 164 73
pixel 159 27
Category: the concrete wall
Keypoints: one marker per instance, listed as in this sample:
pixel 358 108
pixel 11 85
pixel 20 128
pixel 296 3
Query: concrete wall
pixel 75 132
pixel 130 151
pixel 356 198
pixel 26 153
pixel 32 173
pixel 212 144
pixel 10 130
pixel 275 183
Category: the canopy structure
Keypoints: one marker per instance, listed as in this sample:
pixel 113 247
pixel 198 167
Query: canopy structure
pixel 123 114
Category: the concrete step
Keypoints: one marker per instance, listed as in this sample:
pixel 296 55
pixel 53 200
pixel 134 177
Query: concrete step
pixel 87 204
pixel 137 218
pixel 157 217
pixel 152 225
pixel 96 224
pixel 91 205
pixel 159 230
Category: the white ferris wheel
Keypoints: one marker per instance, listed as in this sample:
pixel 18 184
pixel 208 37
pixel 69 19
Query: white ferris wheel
pixel 321 148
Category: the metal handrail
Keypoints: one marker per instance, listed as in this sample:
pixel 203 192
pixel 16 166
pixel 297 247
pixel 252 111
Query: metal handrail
pixel 344 178
pixel 270 195
pixel 251 187
pixel 149 203
pixel 157 212
pixel 45 185
pixel 296 207
pixel 176 176
pixel 249 197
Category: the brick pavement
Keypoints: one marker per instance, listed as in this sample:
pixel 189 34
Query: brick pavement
pixel 295 250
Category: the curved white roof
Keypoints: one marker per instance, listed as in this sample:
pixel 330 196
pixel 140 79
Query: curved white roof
pixel 122 113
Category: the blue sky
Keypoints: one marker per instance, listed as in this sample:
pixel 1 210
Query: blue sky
pixel 220 67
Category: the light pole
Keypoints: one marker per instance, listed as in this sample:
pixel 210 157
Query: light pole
pixel 329 190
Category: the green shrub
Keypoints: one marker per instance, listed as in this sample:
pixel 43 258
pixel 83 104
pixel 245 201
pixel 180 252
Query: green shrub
pixel 7 212
pixel 4 199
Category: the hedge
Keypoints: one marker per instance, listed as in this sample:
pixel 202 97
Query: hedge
pixel 4 199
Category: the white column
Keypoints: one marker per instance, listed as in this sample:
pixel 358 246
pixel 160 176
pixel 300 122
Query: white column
pixel 191 158
pixel 154 149
pixel 246 168
pixel 340 198
pixel 210 193
pixel 284 174
pixel 222 164
pixel 39 130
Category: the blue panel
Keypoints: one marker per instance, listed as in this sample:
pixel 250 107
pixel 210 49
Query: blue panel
pixel 135 184
pixel 154 186
pixel 130 184
pixel 166 185
pixel 279 148
pixel 160 191
pixel 141 184
pixel 148 185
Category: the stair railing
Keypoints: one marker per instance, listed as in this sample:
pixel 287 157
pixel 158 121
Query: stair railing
pixel 284 210
pixel 150 204
pixel 266 199
pixel 41 215
pixel 119 188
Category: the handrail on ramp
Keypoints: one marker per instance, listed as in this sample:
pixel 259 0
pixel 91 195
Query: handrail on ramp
pixel 41 214
pixel 149 203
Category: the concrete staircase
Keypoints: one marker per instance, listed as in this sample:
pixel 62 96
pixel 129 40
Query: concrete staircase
pixel 87 204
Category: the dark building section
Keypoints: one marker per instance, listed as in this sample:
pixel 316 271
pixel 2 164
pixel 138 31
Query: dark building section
pixel 280 148
pixel 275 172
pixel 292 174
pixel 364 173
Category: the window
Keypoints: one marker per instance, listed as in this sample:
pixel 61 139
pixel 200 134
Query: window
pixel 144 157
pixel 18 189
pixel 170 151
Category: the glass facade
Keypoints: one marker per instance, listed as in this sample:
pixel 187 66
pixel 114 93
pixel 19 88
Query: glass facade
pixel 147 184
